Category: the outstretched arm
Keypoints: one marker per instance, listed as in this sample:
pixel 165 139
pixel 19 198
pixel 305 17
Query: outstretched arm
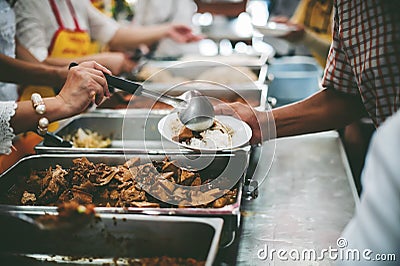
pixel 325 110
pixel 129 38
pixel 85 84
pixel 22 72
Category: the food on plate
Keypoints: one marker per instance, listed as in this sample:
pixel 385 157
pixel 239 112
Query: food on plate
pixel 85 138
pixel 218 136
pixel 123 185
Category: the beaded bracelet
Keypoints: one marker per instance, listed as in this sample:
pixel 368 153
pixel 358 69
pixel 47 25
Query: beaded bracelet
pixel 40 108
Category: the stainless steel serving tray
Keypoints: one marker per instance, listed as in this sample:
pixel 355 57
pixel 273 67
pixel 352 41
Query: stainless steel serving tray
pixel 142 126
pixel 254 92
pixel 191 69
pixel 114 239
pixel 143 136
pixel 232 165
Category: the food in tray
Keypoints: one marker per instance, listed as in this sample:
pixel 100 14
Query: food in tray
pixel 118 186
pixel 159 75
pixel 218 136
pixel 164 260
pixel 71 215
pixel 85 138
pixel 219 74
pixel 227 75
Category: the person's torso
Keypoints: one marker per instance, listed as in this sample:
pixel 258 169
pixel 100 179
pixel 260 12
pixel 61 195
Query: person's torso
pixel 42 8
pixel 8 91
pixel 370 37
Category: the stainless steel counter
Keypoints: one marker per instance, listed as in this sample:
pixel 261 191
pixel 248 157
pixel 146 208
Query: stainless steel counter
pixel 305 202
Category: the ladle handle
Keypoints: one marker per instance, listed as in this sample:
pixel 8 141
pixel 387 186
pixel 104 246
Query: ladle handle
pixel 131 87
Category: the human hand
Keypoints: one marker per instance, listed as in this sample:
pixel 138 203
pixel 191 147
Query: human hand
pixel 116 62
pixel 85 84
pixel 182 33
pixel 297 32
pixel 279 19
pixel 258 121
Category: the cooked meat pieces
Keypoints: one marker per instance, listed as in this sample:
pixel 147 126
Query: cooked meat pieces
pixel 71 215
pixel 132 162
pixel 28 198
pixel 166 261
pixel 184 135
pixel 54 183
pixel 125 185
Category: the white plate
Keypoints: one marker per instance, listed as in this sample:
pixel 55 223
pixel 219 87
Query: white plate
pixel 274 29
pixel 170 125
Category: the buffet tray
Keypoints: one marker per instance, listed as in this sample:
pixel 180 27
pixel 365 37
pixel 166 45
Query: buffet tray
pixel 142 126
pixel 191 69
pixel 143 136
pixel 165 82
pixel 232 165
pixel 254 94
pixel 116 239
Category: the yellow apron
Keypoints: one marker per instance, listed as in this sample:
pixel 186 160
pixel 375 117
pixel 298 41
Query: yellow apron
pixel 66 43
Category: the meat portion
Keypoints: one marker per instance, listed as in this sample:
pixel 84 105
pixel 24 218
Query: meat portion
pixel 183 135
pixel 132 184
pixel 71 215
pixel 166 261
pixel 54 183
pixel 28 198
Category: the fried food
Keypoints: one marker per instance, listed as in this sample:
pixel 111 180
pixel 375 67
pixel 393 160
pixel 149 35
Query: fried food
pixel 85 138
pixel 125 185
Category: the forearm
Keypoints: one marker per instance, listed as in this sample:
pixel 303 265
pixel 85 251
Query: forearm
pixel 325 110
pixel 129 38
pixel 54 111
pixel 21 72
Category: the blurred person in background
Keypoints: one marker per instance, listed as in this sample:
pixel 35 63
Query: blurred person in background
pixel 281 8
pixel 42 26
pixel 312 20
pixel 58 31
pixel 155 12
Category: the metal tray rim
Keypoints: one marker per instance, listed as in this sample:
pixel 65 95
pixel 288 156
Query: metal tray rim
pixel 232 209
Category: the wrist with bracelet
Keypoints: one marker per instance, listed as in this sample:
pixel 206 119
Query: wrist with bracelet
pixel 40 109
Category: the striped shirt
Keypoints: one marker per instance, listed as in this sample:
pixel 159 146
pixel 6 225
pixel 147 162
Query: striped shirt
pixel 364 58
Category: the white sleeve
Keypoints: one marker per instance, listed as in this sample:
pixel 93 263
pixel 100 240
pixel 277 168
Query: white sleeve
pixel 102 28
pixel 30 27
pixel 7 110
pixel 376 224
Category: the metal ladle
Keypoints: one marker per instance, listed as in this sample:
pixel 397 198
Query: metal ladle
pixel 194 109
